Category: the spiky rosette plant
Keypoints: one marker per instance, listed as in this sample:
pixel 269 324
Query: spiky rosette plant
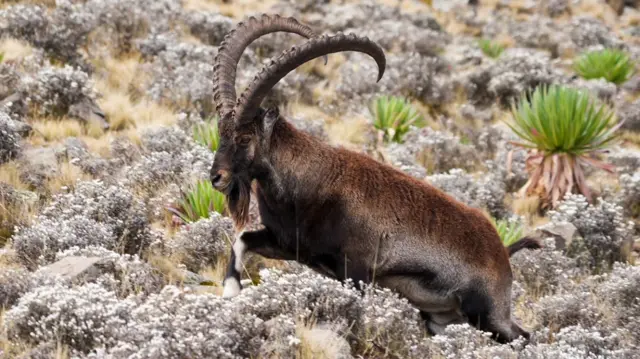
pixel 509 231
pixel 198 202
pixel 393 116
pixel 490 48
pixel 610 64
pixel 565 131
pixel 207 134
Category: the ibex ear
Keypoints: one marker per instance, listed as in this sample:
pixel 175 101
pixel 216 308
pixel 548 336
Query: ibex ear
pixel 269 120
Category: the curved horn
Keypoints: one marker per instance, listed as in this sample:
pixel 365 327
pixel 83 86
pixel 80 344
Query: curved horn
pixel 232 47
pixel 252 97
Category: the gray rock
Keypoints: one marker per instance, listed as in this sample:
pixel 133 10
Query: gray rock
pixel 9 139
pixel 75 268
pixel 88 111
pixel 38 164
pixel 600 88
pixel 630 114
pixel 562 233
pixel 15 106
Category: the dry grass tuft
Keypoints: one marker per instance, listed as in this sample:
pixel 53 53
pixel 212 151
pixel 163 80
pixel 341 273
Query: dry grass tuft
pixel 527 207
pixel 69 175
pixel 14 50
pixel 318 344
pixel 236 9
pixel 53 130
pixel 348 132
pixel 119 74
pixel 10 174
pixel 169 269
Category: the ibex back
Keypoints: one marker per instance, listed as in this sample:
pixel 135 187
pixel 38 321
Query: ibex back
pixel 343 213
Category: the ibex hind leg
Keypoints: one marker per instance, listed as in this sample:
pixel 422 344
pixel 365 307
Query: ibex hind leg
pixel 437 322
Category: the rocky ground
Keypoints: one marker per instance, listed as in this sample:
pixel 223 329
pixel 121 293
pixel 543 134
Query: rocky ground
pixel 98 99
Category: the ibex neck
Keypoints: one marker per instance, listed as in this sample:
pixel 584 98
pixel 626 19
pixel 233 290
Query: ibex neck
pixel 295 163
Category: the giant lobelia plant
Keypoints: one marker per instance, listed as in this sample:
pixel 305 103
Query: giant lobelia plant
pixel 564 130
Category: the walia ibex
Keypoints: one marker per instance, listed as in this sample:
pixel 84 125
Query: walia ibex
pixel 343 213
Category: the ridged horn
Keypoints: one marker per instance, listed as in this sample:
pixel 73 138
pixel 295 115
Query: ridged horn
pixel 272 73
pixel 234 44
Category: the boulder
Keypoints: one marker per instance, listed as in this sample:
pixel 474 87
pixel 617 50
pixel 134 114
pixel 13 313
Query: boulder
pixel 76 269
pixel 561 232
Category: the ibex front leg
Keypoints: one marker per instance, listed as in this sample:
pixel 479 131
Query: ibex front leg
pixel 261 242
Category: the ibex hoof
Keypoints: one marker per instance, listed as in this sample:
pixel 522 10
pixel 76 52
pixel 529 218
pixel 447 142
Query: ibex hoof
pixel 231 288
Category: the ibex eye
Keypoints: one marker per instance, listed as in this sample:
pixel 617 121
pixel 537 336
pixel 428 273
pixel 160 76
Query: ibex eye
pixel 244 140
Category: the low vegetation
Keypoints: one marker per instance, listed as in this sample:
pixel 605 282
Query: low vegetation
pixel 206 134
pixel 610 64
pixel 509 231
pixel 490 48
pixel 393 117
pixel 198 202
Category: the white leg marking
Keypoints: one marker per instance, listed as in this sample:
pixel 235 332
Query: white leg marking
pixel 231 288
pixel 238 249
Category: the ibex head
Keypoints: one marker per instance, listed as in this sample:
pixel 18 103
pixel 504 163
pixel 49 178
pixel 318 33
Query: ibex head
pixel 245 127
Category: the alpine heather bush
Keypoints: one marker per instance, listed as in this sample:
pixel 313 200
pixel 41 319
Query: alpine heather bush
pixel 112 205
pixel 123 274
pixel 14 282
pixel 406 75
pixel 601 226
pixel 563 310
pixel 465 341
pixel 9 139
pixel 588 32
pixel 487 192
pixel 81 317
pixel 118 22
pixel 307 294
pixel 593 341
pixel 390 321
pixel 181 73
pixel 545 271
pixel 200 243
pixel 162 168
pixel 60 33
pixel 38 244
pixel 282 340
pixel 166 139
pixel 437 151
pixel 626 160
pixel 54 90
pixel 630 193
pixel 173 323
pixel 621 291
pixel 516 71
pixel 26 22
pixel 124 150
pixel 69 26
pixel 209 27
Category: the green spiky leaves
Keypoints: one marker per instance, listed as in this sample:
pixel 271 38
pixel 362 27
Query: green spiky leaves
pixel 393 117
pixel 198 202
pixel 490 48
pixel 509 231
pixel 563 128
pixel 610 64
pixel 207 134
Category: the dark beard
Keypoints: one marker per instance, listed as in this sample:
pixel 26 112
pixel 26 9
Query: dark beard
pixel 238 199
